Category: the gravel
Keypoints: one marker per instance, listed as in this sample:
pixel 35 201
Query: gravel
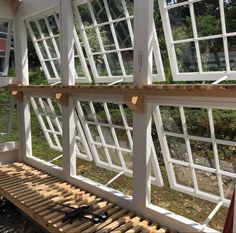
pixel 13 221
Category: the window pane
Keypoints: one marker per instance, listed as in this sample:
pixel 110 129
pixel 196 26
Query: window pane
pixel 177 148
pixel 116 8
pixel 173 2
pixel 230 9
pixel 107 37
pixel 212 55
pixel 186 57
pixel 122 33
pixel 35 30
pixel 85 15
pixel 43 27
pixel 207 16
pixel 180 22
pixel 100 64
pixel 127 57
pixel 99 11
pixel 93 40
pixel 53 25
pixel 183 175
pixel 232 52
pixel 114 64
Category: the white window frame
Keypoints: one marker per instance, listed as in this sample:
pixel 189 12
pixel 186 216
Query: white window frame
pixel 8 46
pixel 109 165
pixel 169 162
pixel 53 12
pixel 200 75
pixel 110 78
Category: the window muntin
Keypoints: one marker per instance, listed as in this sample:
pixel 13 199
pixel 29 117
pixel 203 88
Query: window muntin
pixel 45 34
pixel 49 115
pixel 108 128
pixel 5 41
pixel 199 153
pixel 106 29
pixel 200 38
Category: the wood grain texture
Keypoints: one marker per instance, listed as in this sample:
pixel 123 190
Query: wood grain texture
pixel 36 192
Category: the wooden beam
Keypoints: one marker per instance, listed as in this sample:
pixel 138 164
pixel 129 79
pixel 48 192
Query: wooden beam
pixel 15 6
pixel 135 103
pixel 215 91
pixel 61 98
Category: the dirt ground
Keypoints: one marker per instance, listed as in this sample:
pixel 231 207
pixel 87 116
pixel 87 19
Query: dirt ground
pixel 13 221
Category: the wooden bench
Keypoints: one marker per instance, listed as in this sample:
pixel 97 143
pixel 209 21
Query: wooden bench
pixel 35 192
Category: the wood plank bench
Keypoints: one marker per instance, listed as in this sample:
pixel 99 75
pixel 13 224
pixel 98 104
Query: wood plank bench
pixel 34 192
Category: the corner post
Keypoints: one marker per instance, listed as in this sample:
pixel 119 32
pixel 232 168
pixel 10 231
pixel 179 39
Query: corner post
pixel 143 55
pixel 22 74
pixel 68 79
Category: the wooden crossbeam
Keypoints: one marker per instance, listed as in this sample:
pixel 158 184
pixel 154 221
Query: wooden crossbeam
pixel 219 91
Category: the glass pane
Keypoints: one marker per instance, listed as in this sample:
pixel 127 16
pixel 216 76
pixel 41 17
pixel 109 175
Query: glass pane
pixel 99 11
pixel 101 153
pixel 116 8
pixel 227 157
pixel 2 60
pixel 101 114
pixel 183 175
pixel 225 124
pixel 123 138
pixel 53 24
pixel 100 64
pixel 50 70
pixel 35 30
pixel 127 57
pixel 128 158
pixel 94 132
pixel 114 157
pixel 171 119
pixel 130 6
pixel 78 67
pixel 4 27
pixel 57 64
pixel 51 48
pixel 202 153
pixel 232 52
pixel 207 14
pixel 122 33
pixel 106 131
pixel 107 37
pixel 93 40
pixel 180 22
pixel 85 15
pixel 42 50
pixel 197 122
pixel 207 182
pixel 212 55
pixel 87 111
pixel 114 64
pixel 43 27
pixel 177 148
pixel 230 9
pixel 186 57
pixel 228 185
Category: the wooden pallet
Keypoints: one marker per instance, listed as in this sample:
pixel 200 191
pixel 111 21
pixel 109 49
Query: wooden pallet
pixel 34 192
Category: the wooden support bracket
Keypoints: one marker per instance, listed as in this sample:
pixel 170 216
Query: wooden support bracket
pixel 135 103
pixel 18 95
pixel 61 98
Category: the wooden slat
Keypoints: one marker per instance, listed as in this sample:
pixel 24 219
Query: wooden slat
pixel 35 193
